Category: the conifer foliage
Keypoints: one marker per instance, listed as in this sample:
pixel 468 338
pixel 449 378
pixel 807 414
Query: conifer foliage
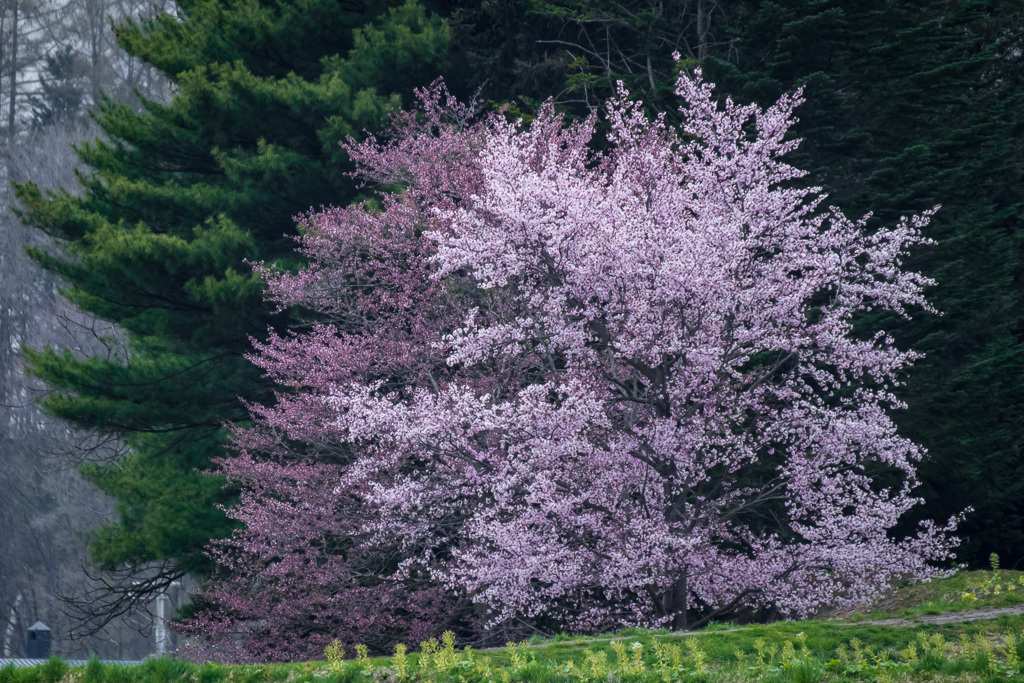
pixel 911 104
pixel 177 199
pixel 580 388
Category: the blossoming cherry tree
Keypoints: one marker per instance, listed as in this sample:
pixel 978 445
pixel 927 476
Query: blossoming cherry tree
pixel 591 381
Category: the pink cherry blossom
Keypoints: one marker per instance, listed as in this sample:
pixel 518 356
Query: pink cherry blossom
pixel 581 381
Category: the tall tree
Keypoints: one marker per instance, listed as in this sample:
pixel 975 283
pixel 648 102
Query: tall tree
pixel 912 104
pixel 179 199
pixel 20 51
pixel 61 97
pixel 578 389
pixel 38 36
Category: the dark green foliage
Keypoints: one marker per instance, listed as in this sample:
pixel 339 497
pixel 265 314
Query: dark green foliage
pixel 62 91
pixel 576 51
pixel 635 43
pixel 53 670
pixel 497 46
pixel 94 671
pixel 21 675
pixel 164 670
pixel 178 201
pixel 120 674
pixel 209 673
pixel 913 104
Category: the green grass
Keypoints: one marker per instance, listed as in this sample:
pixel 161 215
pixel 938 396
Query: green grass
pixel 809 651
pixel 969 651
pixel 960 592
pixel 773 653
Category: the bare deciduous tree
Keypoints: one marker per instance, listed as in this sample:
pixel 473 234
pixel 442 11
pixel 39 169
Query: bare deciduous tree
pixel 607 41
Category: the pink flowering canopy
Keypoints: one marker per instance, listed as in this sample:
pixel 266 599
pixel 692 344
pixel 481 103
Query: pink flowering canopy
pixel 597 380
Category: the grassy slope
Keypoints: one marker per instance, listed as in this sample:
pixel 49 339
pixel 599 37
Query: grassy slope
pixel 817 650
pixel 963 591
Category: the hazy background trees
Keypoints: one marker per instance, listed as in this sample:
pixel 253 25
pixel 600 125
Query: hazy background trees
pixel 57 60
pixel 45 505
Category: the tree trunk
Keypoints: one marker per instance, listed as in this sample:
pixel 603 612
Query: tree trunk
pixel 9 634
pixel 680 604
pixel 703 21
pixel 13 73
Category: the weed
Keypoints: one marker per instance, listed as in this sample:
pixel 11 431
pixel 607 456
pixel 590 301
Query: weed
pixel 53 670
pixel 401 662
pixel 698 656
pixel 93 671
pixel 804 671
pixel 335 655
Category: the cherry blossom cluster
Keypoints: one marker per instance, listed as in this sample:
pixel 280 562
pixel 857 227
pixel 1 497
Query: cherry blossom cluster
pixel 583 380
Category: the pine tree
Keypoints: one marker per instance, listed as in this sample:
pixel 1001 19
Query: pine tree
pixel 62 94
pixel 178 202
pixel 911 104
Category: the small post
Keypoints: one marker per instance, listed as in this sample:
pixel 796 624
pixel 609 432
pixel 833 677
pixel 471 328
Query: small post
pixel 38 641
pixel 160 625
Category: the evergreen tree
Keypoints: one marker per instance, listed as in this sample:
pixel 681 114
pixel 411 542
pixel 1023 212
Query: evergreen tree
pixel 911 104
pixel 62 94
pixel 178 201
